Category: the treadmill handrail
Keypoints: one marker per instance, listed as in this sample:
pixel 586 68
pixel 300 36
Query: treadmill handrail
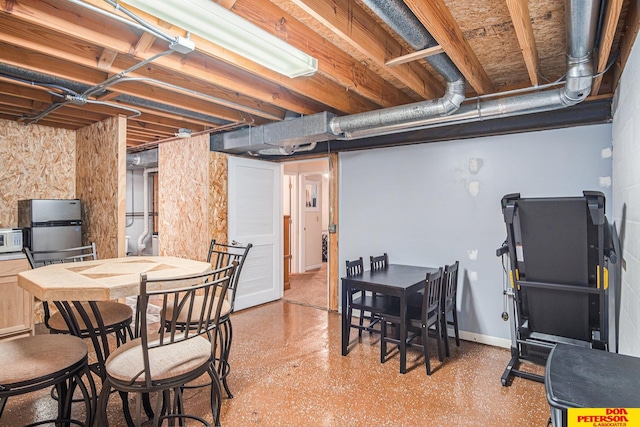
pixel 558 287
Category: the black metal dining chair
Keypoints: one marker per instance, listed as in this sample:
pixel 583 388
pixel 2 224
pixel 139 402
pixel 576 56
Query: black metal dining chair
pixel 167 355
pixel 449 304
pixel 41 361
pixel 420 318
pixel 222 255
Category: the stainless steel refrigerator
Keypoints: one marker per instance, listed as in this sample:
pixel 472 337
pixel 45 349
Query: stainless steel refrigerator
pixel 50 224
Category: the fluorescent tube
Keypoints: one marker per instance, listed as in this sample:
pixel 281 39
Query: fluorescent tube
pixel 223 27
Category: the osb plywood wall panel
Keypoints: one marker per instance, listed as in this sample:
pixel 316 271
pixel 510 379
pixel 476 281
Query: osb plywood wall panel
pixel 101 184
pixel 183 193
pixel 37 162
pixel 218 207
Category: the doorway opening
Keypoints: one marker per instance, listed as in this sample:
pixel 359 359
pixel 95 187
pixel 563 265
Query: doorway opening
pixel 306 223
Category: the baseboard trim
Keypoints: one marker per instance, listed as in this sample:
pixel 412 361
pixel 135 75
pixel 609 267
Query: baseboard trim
pixel 482 339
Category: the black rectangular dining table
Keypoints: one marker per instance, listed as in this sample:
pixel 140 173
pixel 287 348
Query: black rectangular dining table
pixel 395 280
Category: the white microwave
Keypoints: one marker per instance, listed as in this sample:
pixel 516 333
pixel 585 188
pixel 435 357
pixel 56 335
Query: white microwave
pixel 10 240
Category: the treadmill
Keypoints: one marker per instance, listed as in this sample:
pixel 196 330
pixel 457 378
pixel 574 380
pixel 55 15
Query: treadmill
pixel 559 250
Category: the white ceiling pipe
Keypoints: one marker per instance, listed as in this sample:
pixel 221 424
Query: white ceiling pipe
pixel 145 217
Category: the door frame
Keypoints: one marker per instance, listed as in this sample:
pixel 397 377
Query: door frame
pixel 332 263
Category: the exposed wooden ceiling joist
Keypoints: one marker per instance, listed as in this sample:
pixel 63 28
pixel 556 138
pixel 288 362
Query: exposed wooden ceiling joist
pixel 437 19
pixel 496 44
pixel 519 10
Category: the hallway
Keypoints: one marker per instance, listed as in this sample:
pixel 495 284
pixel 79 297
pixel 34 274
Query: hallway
pixel 308 288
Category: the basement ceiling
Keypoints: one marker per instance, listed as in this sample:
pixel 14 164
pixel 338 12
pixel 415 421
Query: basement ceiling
pixel 51 51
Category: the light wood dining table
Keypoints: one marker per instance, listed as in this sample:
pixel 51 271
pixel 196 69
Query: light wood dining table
pixel 103 279
pixel 75 287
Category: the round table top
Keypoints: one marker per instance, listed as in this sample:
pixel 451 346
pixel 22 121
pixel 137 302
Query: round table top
pixel 103 279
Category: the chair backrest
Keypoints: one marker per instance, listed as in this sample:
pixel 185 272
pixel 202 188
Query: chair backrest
pixel 449 287
pixel 222 255
pixel 355 267
pixel 379 262
pixel 176 297
pixel 81 253
pixel 431 299
pixel 41 258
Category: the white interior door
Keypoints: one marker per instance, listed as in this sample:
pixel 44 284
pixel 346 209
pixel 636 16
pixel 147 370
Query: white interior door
pixel 255 216
pixel 312 224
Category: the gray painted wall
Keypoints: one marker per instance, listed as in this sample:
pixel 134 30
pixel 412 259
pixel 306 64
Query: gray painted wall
pixel 626 198
pixel 432 204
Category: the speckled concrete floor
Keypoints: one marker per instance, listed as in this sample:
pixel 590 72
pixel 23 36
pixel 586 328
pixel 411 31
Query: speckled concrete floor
pixel 287 371
pixel 309 288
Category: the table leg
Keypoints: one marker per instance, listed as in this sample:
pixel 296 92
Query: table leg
pixel 402 345
pixel 345 320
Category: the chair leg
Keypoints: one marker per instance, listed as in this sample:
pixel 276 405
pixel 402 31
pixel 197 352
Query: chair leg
pixel 225 335
pixel 361 323
pixel 438 332
pixel 89 394
pixel 383 341
pixel 445 334
pixel 350 317
pixel 425 348
pixel 103 400
pixel 125 408
pixel 216 397
pixel 62 390
pixel 455 325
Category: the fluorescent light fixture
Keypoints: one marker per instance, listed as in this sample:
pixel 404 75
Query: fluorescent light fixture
pixel 223 27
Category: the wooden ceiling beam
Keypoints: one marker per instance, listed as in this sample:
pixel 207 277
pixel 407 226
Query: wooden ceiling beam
pixel 39 61
pixel 608 32
pixel 106 59
pixel 42 122
pixel 154 117
pixel 21 90
pixel 268 86
pixel 352 24
pixel 134 130
pixel 421 54
pixel 226 3
pixel 93 29
pixel 63 51
pixel 519 11
pixel 333 62
pixel 143 44
pixel 631 28
pixel 68 113
pixel 437 19
pixel 100 111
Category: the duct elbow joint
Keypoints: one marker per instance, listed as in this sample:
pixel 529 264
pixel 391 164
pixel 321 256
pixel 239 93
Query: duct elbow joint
pixel 453 97
pixel 573 97
pixel 450 103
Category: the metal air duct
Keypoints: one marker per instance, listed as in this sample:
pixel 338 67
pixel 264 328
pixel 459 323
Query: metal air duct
pixel 401 19
pixel 143 159
pixel 581 18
